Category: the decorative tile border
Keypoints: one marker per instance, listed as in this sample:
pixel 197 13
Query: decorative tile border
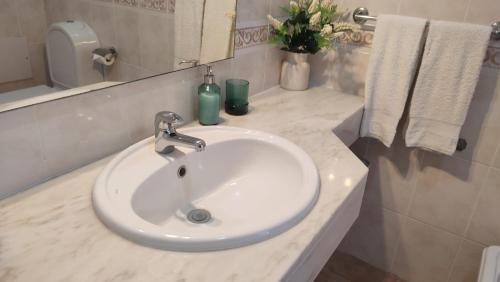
pixel 357 38
pixel 157 5
pixel 129 3
pixel 164 6
pixel 251 36
pixel 365 39
pixel 171 6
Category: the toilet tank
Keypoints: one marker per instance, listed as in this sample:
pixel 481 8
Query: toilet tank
pixel 69 47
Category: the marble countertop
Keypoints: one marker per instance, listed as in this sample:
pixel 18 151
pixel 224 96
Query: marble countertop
pixel 51 233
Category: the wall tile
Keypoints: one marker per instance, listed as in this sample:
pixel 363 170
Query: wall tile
pixel 342 69
pixel 177 93
pixel 21 164
pixel 83 11
pixel 276 7
pixel 249 64
pixel 8 21
pixel 483 12
pixel 451 10
pixel 481 128
pixel 38 65
pixel 375 7
pixel 102 24
pixel 252 11
pixel 374 236
pixel 153 40
pixel 223 71
pixel 274 59
pixel 467 262
pixel 32 19
pixel 424 253
pixel 496 162
pixel 447 189
pixel 130 72
pixel 80 130
pixel 127 35
pixel 391 178
pixel 59 10
pixel 485 226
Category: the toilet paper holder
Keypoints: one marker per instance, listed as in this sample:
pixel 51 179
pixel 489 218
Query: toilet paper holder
pixel 104 56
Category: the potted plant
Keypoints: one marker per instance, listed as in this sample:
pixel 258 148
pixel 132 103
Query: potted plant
pixel 311 26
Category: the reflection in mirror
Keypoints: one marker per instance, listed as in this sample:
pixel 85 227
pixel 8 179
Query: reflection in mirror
pixel 67 47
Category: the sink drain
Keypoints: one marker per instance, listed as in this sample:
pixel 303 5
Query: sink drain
pixel 199 216
pixel 181 172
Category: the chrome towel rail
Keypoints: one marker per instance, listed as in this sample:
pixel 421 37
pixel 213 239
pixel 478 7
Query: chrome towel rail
pixel 361 16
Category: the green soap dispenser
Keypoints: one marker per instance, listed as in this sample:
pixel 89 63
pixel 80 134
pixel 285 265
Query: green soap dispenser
pixel 209 100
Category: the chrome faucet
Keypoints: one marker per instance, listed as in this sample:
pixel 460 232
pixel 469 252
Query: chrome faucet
pixel 166 136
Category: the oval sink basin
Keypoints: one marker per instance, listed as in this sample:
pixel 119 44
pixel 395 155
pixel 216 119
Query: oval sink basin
pixel 247 186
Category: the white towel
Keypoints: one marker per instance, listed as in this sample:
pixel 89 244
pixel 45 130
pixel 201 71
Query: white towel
pixel 451 64
pixel 188 27
pixel 395 55
pixel 218 30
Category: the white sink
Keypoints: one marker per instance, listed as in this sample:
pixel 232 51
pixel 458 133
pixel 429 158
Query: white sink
pixel 255 185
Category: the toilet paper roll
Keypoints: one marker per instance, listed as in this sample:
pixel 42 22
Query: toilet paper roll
pixel 106 60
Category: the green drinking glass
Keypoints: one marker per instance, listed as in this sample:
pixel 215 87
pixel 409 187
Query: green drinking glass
pixel 236 97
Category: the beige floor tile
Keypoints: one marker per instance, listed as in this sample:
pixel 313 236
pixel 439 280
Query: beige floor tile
pixel 467 263
pixel 424 254
pixel 485 224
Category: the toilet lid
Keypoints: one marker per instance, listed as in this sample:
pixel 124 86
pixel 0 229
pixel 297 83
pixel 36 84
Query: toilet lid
pixel 490 265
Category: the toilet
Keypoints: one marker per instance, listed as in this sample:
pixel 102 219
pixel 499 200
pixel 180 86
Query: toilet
pixel 490 265
pixel 69 47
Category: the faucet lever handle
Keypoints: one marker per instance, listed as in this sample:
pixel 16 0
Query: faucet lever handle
pixel 168 117
pixel 165 121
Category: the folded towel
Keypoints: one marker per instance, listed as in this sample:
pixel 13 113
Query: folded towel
pixel 218 30
pixel 396 50
pixel 188 28
pixel 451 64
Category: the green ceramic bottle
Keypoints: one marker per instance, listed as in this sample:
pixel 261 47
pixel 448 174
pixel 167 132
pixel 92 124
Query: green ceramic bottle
pixel 209 100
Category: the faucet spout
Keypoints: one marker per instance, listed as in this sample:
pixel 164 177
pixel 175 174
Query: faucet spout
pixel 166 136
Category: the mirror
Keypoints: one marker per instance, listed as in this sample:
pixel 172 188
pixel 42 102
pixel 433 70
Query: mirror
pixel 51 49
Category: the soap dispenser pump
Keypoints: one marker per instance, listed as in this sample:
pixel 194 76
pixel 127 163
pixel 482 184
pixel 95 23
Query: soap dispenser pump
pixel 209 100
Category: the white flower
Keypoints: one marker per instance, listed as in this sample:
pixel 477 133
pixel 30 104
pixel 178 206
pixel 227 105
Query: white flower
pixel 341 27
pixel 314 20
pixel 326 31
pixel 294 5
pixel 326 4
pixel 274 22
pixel 303 3
pixel 313 7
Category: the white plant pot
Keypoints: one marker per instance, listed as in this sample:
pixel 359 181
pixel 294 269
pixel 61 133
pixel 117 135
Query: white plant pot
pixel 295 72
